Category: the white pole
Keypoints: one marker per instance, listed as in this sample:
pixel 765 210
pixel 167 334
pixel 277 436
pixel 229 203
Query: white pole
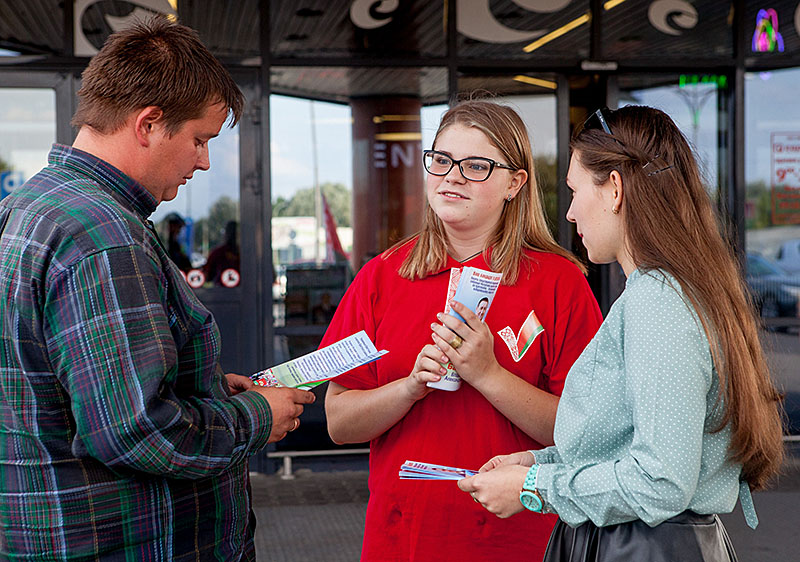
pixel 317 192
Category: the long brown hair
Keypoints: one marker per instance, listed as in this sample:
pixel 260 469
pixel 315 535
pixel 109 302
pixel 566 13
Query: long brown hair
pixel 153 63
pixel 522 223
pixel 670 224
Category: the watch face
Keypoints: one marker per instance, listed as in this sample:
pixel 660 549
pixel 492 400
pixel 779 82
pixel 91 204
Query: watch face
pixel 531 501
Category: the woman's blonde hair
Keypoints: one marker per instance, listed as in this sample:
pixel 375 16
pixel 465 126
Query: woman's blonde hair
pixel 522 225
pixel 670 224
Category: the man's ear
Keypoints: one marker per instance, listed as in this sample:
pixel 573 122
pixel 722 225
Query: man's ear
pixel 145 123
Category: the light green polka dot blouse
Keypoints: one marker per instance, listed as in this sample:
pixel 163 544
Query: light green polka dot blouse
pixel 633 433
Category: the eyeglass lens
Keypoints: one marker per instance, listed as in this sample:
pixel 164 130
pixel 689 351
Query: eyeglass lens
pixel 473 169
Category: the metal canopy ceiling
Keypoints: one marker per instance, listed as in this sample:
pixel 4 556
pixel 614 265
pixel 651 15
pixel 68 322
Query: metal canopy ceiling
pixel 338 49
pixel 32 27
pixel 342 83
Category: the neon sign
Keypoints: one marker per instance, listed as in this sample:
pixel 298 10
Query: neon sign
pixel 766 37
pixel 691 79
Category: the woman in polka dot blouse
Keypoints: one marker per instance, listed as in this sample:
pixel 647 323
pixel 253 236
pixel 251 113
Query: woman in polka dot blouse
pixel 669 415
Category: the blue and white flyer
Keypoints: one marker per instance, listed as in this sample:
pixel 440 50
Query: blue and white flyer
pixel 321 365
pixel 474 288
pixel 415 470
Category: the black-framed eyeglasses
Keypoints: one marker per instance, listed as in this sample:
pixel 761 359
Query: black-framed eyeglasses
pixel 474 168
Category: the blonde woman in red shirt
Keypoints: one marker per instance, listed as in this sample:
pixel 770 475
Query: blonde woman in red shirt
pixel 484 210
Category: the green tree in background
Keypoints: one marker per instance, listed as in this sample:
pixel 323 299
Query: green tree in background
pixel 547 178
pixel 301 204
pixel 4 165
pixel 759 199
pixel 210 231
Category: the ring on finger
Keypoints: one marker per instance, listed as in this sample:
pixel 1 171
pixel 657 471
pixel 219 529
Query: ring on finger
pixel 456 342
pixel 296 424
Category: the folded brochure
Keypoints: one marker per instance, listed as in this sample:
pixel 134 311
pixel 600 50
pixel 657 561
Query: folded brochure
pixel 475 289
pixel 321 365
pixel 415 470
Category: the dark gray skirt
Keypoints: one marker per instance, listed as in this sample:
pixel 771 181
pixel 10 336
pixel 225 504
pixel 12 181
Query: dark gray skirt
pixel 687 537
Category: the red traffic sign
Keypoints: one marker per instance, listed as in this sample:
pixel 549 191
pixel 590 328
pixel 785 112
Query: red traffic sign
pixel 230 278
pixel 195 278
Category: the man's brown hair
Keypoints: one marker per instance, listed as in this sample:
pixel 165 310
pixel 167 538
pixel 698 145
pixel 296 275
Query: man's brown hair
pixel 154 63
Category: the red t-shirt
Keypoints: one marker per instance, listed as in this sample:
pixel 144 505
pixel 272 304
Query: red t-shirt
pixel 434 520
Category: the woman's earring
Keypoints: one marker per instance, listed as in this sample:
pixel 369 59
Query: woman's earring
pixel 509 198
pixel 615 210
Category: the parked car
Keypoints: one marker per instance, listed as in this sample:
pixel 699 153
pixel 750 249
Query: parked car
pixel 775 291
pixel 788 258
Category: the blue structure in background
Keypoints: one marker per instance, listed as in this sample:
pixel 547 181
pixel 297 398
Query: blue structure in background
pixel 9 181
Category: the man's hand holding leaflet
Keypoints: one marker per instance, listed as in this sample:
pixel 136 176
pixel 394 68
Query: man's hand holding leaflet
pixel 321 365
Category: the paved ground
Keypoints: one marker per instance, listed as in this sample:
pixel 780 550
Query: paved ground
pixel 783 355
pixel 319 516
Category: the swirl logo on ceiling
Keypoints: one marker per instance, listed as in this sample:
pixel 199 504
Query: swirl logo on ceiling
pixel 476 20
pixel 89 38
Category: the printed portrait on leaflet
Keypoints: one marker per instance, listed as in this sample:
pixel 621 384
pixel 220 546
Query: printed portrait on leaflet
pixel 483 306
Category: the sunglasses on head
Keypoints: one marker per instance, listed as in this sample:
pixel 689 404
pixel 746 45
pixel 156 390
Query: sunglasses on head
pixel 599 120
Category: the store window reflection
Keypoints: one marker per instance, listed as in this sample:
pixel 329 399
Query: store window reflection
pixel 533 97
pixel 772 218
pixel 27 131
pixel 692 100
pixel 539 114
pixel 200 227
pixel 312 234
pixel 312 239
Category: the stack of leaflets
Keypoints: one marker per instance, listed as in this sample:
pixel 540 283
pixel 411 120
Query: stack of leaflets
pixel 475 289
pixel 321 365
pixel 414 470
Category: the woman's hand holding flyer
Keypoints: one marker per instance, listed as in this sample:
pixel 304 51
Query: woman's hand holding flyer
pixel 475 289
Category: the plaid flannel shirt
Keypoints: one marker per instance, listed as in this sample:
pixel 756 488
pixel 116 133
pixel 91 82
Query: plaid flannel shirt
pixel 119 439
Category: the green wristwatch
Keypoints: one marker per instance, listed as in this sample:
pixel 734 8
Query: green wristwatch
pixel 529 497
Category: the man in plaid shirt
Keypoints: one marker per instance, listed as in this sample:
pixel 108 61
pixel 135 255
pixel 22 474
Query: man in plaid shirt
pixel 120 437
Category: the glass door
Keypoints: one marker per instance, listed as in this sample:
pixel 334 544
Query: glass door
pixel 213 230
pixel 205 219
pixel 34 113
pixel 772 222
pixel 27 131
pixel 696 102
